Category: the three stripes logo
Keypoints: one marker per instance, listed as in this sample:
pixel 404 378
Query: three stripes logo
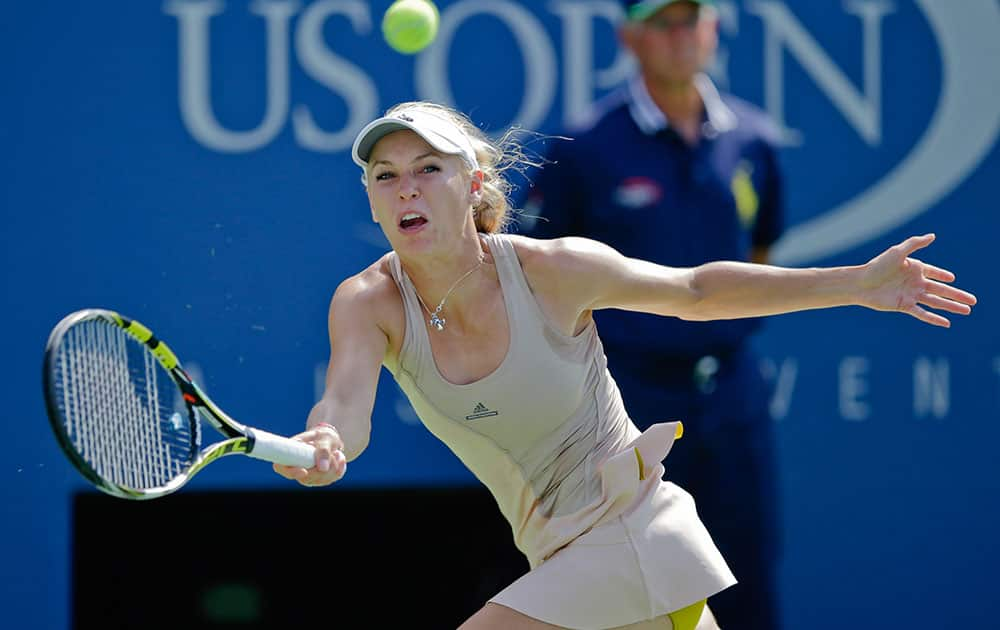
pixel 481 411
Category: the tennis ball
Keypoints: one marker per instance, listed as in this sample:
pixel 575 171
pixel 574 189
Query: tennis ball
pixel 409 26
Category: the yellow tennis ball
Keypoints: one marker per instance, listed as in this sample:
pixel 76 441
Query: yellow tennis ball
pixel 409 26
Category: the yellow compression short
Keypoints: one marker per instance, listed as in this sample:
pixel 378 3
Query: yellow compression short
pixel 687 618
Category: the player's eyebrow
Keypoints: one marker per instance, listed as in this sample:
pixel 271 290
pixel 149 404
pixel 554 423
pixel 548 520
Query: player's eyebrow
pixel 419 157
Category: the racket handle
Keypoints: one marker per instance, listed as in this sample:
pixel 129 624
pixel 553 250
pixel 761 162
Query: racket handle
pixel 280 450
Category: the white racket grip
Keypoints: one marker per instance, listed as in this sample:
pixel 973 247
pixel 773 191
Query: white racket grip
pixel 281 450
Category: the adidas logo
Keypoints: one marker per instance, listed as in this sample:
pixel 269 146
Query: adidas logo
pixel 481 411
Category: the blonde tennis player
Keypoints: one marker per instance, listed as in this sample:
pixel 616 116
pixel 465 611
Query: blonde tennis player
pixel 491 336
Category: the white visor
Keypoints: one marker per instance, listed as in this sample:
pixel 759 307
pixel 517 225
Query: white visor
pixel 439 132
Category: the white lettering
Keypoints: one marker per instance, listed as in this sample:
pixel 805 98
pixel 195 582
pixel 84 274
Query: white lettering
pixel 853 386
pixel 580 78
pixel 931 387
pixel 782 31
pixel 783 377
pixel 343 78
pixel 194 82
pixel 729 25
pixel 539 58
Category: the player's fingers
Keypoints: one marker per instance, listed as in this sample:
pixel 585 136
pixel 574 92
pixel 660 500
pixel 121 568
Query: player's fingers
pixel 914 243
pixel 295 473
pixel 935 273
pixel 938 302
pixel 326 435
pixel 316 478
pixel 338 466
pixel 340 463
pixel 333 462
pixel 322 459
pixel 951 293
pixel 926 316
pixel 327 455
pixel 327 470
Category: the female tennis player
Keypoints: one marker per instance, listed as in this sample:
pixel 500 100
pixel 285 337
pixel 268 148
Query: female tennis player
pixel 492 338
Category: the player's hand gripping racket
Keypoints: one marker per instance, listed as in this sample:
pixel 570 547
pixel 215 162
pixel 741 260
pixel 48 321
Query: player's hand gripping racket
pixel 110 390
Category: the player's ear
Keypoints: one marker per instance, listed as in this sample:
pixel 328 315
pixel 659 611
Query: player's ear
pixel 476 187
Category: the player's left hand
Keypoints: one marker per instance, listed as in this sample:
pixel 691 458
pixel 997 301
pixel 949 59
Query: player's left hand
pixel 893 281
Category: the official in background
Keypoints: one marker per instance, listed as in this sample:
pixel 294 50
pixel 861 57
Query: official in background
pixel 672 171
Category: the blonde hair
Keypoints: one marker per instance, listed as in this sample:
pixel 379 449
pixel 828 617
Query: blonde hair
pixel 494 212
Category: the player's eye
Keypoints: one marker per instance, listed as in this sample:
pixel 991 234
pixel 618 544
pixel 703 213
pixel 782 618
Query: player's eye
pixel 383 176
pixel 430 168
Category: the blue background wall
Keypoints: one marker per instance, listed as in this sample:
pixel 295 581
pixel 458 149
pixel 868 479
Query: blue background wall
pixel 187 165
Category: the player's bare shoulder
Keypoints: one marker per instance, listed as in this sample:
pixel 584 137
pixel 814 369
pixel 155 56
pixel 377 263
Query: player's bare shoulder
pixel 556 271
pixel 371 296
pixel 556 261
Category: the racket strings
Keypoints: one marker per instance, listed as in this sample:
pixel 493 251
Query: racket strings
pixel 119 418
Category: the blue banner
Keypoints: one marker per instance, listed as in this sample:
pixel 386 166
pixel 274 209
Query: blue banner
pixel 187 164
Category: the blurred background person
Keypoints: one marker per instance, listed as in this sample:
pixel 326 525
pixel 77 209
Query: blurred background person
pixel 701 182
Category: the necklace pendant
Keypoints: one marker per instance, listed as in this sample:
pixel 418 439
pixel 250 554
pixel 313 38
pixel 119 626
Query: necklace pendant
pixel 436 322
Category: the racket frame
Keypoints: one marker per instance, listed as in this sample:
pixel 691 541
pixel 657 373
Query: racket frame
pixel 240 439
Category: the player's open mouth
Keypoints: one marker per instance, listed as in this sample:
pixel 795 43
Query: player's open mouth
pixel 411 221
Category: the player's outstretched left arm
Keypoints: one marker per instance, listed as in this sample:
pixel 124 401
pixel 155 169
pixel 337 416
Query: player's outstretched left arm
pixel 892 281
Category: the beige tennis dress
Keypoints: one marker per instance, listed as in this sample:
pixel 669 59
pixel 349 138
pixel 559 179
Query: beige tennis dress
pixel 609 543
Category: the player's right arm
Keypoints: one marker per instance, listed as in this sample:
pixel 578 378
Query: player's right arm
pixel 339 424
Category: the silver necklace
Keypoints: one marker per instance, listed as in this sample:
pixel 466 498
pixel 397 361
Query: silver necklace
pixel 436 320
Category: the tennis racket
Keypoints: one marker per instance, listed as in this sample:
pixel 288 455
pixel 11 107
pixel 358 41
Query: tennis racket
pixel 129 417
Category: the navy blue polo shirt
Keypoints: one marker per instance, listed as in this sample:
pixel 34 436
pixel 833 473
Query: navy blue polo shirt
pixel 630 181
